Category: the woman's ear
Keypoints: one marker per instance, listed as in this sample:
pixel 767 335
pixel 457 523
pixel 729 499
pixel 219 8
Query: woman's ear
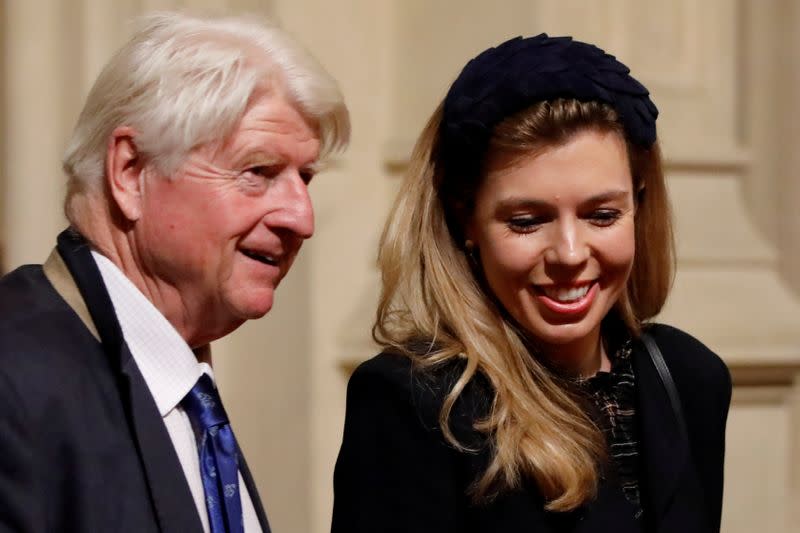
pixel 469 233
pixel 470 244
pixel 123 172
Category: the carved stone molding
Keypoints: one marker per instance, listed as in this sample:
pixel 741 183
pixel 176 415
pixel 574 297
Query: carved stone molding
pixel 746 375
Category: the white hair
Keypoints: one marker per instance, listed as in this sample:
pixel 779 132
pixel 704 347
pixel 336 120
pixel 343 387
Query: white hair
pixel 181 82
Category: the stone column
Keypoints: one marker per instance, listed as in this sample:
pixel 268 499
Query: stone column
pixel 3 153
pixel 789 185
pixel 41 73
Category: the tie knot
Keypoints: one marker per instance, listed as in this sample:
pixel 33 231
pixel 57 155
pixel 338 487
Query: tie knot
pixel 204 406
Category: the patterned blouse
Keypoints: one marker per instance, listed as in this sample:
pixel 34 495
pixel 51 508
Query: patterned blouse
pixel 613 395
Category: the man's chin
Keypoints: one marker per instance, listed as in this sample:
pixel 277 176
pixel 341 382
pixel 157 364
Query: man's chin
pixel 250 304
pixel 255 310
pixel 257 307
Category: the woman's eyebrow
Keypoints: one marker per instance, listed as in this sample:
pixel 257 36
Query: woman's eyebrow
pixel 516 202
pixel 524 202
pixel 608 196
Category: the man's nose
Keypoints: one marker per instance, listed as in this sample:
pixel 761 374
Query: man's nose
pixel 295 212
pixel 568 246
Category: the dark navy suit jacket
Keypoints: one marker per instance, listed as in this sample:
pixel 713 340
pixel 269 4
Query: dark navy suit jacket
pixel 396 473
pixel 83 447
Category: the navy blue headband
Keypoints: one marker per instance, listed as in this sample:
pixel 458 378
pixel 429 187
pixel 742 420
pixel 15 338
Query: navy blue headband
pixel 520 72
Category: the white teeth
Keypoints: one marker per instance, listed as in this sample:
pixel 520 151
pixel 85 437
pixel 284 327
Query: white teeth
pixel 260 257
pixel 566 295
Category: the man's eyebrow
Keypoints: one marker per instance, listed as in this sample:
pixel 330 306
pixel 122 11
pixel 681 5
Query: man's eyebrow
pixel 315 166
pixel 263 157
pixel 258 152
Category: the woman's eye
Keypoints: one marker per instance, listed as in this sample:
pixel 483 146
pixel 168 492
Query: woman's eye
pixel 604 217
pixel 525 224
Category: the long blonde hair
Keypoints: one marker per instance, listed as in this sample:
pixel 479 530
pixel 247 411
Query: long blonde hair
pixel 538 430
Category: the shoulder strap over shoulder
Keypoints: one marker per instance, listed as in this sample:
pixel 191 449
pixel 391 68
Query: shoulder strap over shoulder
pixel 669 384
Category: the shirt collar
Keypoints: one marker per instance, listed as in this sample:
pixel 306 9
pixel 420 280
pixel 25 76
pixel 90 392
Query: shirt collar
pixel 168 365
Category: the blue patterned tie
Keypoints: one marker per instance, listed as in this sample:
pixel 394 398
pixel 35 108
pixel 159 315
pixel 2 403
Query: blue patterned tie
pixel 218 457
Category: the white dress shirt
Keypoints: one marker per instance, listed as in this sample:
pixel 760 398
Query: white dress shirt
pixel 170 369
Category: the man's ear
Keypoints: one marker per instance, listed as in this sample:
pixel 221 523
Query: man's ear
pixel 124 172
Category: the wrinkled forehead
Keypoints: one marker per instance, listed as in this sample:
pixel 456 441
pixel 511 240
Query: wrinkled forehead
pixel 272 129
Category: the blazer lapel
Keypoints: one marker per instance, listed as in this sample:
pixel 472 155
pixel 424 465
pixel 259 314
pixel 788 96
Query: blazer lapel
pixel 669 482
pixel 172 501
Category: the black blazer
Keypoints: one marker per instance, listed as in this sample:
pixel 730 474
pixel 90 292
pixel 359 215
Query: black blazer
pixel 83 447
pixel 396 473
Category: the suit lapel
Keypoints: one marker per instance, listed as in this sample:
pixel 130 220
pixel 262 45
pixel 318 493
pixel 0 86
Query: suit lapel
pixel 253 490
pixel 668 480
pixel 172 501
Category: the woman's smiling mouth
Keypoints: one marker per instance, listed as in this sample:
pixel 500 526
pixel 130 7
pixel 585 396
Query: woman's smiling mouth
pixel 567 299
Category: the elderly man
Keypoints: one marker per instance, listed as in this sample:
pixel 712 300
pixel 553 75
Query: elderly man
pixel 187 197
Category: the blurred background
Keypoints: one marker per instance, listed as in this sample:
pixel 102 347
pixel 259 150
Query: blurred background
pixel 725 75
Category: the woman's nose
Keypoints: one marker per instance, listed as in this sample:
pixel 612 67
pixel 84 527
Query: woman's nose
pixel 568 247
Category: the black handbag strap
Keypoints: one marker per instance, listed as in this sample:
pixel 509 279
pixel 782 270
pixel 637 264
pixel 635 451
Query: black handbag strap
pixel 666 379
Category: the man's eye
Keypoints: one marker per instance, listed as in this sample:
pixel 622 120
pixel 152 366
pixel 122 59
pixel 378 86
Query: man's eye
pixel 263 171
pixel 256 180
pixel 306 176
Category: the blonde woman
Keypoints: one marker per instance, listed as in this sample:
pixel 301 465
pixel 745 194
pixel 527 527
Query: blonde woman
pixel 522 388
